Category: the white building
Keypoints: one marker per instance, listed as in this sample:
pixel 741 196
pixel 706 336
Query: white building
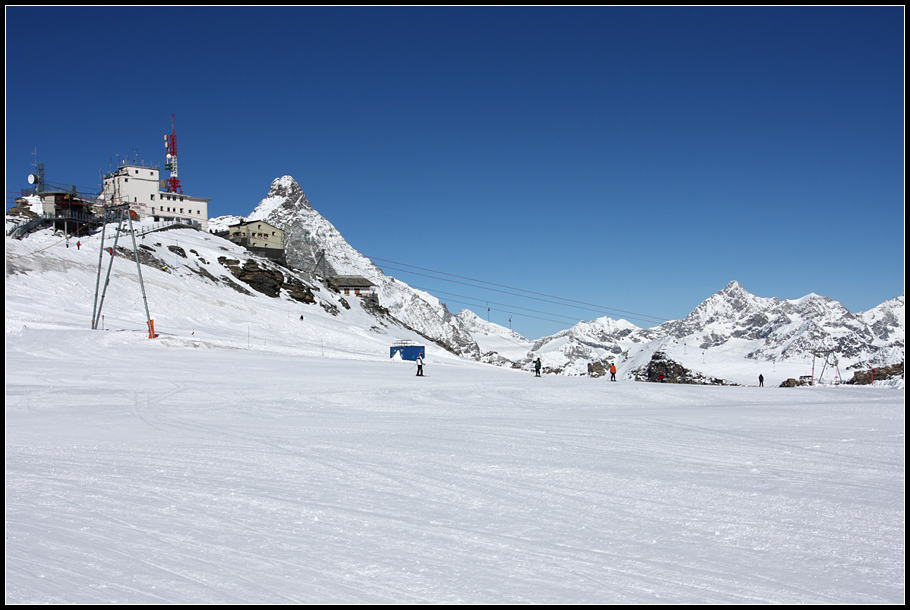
pixel 141 187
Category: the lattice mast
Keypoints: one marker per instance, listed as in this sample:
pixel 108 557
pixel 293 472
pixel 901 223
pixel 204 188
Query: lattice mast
pixel 170 143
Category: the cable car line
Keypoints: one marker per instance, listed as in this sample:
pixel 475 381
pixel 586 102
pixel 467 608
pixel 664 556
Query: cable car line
pixel 511 310
pixel 564 301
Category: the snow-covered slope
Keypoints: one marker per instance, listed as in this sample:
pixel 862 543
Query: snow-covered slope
pixel 266 450
pixel 201 290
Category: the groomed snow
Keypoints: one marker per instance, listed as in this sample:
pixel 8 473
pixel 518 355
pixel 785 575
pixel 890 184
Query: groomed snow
pixel 248 456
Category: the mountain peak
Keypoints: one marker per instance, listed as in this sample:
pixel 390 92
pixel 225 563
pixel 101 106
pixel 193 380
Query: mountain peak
pixel 287 188
pixel 284 194
pixel 733 287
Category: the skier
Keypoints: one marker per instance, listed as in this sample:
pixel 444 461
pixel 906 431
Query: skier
pixel 537 367
pixel 612 372
pixel 761 381
pixel 420 365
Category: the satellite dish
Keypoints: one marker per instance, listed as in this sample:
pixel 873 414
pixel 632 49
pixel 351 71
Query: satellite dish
pixel 32 178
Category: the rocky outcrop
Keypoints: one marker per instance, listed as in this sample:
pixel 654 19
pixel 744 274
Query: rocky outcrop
pixel 878 374
pixel 268 280
pixel 662 369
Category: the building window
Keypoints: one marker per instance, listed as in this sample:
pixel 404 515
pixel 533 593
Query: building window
pixel 153 198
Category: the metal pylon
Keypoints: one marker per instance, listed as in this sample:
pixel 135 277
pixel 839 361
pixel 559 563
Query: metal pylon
pixel 124 213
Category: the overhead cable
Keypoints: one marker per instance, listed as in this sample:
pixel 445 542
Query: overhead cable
pixel 560 300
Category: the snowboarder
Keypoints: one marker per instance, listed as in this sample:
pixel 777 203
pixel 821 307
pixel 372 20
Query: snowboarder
pixel 537 367
pixel 761 381
pixel 420 365
pixel 612 372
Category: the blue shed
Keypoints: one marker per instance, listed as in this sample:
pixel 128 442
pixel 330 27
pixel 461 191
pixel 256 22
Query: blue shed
pixel 408 352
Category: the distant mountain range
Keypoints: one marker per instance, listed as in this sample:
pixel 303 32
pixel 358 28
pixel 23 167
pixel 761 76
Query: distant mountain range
pixel 732 322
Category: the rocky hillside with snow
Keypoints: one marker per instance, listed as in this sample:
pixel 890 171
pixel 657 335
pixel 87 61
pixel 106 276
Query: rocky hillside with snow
pixel 769 329
pixel 308 235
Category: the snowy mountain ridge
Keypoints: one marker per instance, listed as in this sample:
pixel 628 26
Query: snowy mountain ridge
pixel 732 322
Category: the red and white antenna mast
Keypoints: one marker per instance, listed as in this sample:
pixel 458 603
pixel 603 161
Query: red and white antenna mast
pixel 170 143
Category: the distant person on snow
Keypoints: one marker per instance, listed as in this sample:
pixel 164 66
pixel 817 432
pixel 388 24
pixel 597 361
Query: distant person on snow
pixel 420 365
pixel 612 372
pixel 761 381
pixel 537 367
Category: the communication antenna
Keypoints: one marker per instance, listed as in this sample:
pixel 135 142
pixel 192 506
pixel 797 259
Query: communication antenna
pixel 170 144
pixel 37 178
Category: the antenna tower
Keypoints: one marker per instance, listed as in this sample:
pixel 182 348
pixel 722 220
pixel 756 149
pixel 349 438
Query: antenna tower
pixel 38 177
pixel 170 143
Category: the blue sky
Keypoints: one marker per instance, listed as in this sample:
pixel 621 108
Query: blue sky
pixel 634 159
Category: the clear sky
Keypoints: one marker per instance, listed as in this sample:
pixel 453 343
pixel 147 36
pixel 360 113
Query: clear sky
pixel 636 159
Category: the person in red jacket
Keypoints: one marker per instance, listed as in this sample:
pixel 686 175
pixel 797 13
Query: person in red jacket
pixel 612 372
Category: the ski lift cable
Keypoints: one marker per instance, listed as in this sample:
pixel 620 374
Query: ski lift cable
pixel 513 307
pixel 565 301
pixel 509 305
pixel 484 288
pixel 518 314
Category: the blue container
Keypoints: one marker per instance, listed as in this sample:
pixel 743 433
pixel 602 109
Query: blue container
pixel 408 352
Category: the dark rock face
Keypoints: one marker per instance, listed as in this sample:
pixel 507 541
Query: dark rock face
pixel 268 281
pixel 877 374
pixel 598 368
pixel 664 370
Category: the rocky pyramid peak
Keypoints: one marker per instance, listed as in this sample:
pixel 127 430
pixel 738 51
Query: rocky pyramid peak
pixel 287 188
pixel 285 195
